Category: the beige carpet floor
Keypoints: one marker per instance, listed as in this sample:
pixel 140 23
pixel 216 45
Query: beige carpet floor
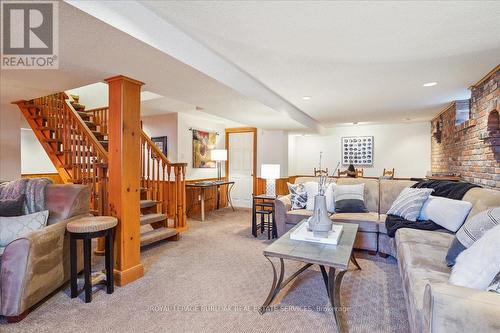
pixel 213 280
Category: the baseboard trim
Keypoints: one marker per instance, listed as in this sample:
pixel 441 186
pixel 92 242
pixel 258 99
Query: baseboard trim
pixel 125 277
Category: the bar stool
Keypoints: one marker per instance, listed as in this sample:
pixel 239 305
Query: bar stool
pixel 87 228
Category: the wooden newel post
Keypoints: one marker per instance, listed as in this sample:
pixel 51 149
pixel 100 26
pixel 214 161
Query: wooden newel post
pixel 180 196
pixel 124 175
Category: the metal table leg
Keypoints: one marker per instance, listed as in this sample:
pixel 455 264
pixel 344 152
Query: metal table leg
pixel 334 283
pixel 230 188
pixel 353 259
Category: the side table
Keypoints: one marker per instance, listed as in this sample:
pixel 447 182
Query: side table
pixel 263 204
pixel 87 228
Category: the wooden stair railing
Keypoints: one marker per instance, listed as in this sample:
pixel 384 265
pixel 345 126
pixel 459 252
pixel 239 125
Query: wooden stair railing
pixel 76 141
pixel 72 147
pixel 164 182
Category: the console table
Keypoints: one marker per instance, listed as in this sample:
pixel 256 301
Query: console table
pixel 210 184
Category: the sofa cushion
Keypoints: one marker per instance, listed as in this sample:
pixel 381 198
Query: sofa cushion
pixel 415 282
pixel 368 222
pixel 441 238
pixel 297 215
pixel 425 256
pixel 389 191
pixel 371 195
pixel 481 200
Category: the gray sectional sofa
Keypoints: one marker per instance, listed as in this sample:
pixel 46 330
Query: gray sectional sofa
pixel 433 304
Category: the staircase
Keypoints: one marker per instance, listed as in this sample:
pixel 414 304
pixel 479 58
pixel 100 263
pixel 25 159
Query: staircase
pixel 76 141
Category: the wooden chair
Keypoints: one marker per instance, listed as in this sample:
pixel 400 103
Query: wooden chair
pixel 388 173
pixel 359 173
pixel 342 173
pixel 319 172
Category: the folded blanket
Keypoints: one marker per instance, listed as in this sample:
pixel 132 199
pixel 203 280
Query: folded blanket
pixel 33 189
pixel 442 188
pixel 446 188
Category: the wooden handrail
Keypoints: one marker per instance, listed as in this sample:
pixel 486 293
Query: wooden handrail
pixel 97 145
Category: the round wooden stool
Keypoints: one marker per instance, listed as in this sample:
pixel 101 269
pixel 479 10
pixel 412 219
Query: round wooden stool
pixel 87 228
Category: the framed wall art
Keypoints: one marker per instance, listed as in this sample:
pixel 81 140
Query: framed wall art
pixel 357 150
pixel 203 142
pixel 161 143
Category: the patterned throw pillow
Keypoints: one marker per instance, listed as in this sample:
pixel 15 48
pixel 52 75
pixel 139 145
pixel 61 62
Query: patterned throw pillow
pixel 298 195
pixel 12 228
pixel 495 285
pixel 409 203
pixel 350 198
pixel 471 231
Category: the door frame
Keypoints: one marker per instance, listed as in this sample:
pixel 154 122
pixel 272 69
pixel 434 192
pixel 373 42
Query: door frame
pixel 243 130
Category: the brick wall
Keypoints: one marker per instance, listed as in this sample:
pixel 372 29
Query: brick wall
pixel 472 149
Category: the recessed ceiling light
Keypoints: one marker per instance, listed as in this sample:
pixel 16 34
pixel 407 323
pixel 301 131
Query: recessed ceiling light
pixel 306 98
pixel 429 84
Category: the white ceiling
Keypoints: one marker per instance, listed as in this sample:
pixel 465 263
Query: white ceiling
pixel 360 61
pixel 91 50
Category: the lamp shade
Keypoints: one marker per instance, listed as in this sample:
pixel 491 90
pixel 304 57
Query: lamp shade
pixel 270 171
pixel 218 155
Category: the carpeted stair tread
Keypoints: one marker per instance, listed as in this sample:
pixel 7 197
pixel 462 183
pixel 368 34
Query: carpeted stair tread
pixel 148 203
pixel 152 218
pixel 155 235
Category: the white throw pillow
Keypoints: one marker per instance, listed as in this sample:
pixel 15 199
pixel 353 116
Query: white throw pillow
pixel 12 228
pixel 477 266
pixel 448 213
pixel 330 198
pixel 312 190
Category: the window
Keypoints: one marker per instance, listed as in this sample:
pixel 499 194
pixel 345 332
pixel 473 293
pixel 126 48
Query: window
pixel 462 111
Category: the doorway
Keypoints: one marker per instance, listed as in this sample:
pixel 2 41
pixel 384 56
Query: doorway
pixel 241 145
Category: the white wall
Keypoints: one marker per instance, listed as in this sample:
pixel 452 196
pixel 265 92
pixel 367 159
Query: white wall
pixel 10 142
pixel 185 143
pixel 180 139
pixel 272 148
pixel 405 147
pixel 34 159
pixel 93 96
pixel 163 125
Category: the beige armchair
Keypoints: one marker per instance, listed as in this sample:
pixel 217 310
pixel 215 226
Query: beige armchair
pixel 34 266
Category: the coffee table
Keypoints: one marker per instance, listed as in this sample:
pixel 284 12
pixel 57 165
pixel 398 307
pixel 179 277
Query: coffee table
pixel 334 257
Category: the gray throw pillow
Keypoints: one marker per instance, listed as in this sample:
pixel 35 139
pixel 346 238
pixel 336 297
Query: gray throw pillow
pixel 471 231
pixel 12 207
pixel 12 228
pixel 298 196
pixel 409 203
pixel 350 198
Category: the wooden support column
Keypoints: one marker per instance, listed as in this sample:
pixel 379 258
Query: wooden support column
pixel 124 175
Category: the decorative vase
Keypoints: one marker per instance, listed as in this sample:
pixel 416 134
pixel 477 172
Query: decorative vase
pixel 320 223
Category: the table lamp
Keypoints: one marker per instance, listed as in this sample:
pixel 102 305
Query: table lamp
pixel 270 172
pixel 219 156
